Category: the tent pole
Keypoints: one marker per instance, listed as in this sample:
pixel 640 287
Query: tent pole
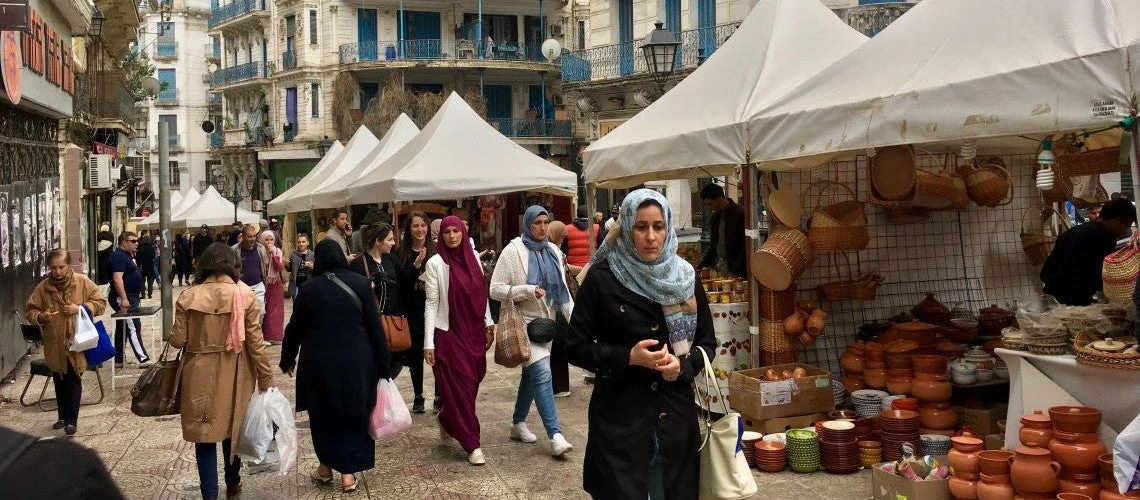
pixel 750 243
pixel 591 207
pixel 1135 159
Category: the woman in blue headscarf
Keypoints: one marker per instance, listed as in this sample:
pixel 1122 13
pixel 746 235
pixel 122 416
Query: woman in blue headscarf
pixel 530 273
pixel 640 315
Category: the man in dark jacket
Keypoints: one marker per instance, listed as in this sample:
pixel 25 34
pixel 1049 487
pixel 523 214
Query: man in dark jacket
pixel 1072 272
pixel 145 257
pixel 202 241
pixel 235 234
pixel 726 251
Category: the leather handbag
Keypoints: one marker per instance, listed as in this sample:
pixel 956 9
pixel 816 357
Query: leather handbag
pixel 395 326
pixel 511 346
pixel 724 469
pixel 156 393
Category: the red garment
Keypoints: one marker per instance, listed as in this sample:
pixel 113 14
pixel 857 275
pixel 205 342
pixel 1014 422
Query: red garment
pixel 273 325
pixel 578 245
pixel 467 289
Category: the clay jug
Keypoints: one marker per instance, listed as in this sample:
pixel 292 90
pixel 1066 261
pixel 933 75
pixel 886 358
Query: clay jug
pixel 963 489
pixel 994 462
pixel 964 455
pixel 1036 429
pixel 1033 471
pixel 852 361
pixel 937 416
pixel 1076 452
pixel 930 388
pixel 876 377
pixel 1085 484
pixel 995 488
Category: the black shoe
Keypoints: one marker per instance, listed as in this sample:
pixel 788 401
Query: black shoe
pixel 58 425
pixel 70 429
pixel 418 405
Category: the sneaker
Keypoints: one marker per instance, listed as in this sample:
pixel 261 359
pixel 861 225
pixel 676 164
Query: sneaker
pixel 476 457
pixel 519 432
pixel 58 425
pixel 146 364
pixel 418 405
pixel 70 429
pixel 559 445
pixel 563 394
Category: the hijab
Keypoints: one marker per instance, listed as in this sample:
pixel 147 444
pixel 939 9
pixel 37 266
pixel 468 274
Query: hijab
pixel 556 232
pixel 328 256
pixel 467 287
pixel 542 266
pixel 434 229
pixel 274 255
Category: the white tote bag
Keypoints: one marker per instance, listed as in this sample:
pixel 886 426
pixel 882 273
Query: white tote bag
pixel 86 336
pixel 724 469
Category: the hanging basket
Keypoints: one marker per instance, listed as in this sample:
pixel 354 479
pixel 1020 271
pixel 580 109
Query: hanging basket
pixel 988 182
pixel 1088 191
pixel 891 175
pixel 935 189
pixel 776 305
pixel 782 258
pixel 905 214
pixel 772 338
pixel 840 226
pixel 1119 273
pixel 849 288
pixel 1037 244
pixel 1097 161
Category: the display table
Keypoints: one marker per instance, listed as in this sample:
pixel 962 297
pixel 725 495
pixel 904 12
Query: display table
pixel 140 314
pixel 1039 382
pixel 733 341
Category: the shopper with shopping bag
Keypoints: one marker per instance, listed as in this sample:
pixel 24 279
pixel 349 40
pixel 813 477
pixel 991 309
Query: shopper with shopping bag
pixel 217 324
pixel 57 304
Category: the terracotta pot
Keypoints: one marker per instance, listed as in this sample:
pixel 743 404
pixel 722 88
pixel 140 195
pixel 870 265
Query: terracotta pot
pixel 995 488
pixel 1108 491
pixel 992 319
pixel 950 350
pixel 852 383
pixel 963 456
pixel 909 404
pixel 900 372
pixel 929 363
pixel 1105 463
pixel 1085 484
pixel 874 352
pixel 994 462
pixel 931 388
pixel 899 361
pixel 937 416
pixel 1036 429
pixel 850 362
pixel 932 311
pixel 899 385
pixel 1077 452
pixel 1075 418
pixel 1034 471
pixel 925 334
pixel 963 489
pixel 1073 496
pixel 875 377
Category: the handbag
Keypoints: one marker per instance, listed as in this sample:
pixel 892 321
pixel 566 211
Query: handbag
pixel 511 346
pixel 724 469
pixel 104 350
pixel 156 394
pixel 543 330
pixel 395 326
pixel 86 336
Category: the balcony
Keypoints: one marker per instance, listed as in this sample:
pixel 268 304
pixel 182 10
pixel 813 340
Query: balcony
pixel 167 97
pixel 214 100
pixel 290 134
pixel 114 104
pixel 166 50
pixel 239 73
pixel 217 140
pixel 626 59
pixel 288 60
pixel 235 11
pixel 438 50
pixel 140 144
pixel 213 52
pixel 516 128
pixel 174 142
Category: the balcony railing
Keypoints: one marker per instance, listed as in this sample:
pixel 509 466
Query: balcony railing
pixel 112 99
pixel 531 127
pixel 214 99
pixel 380 51
pixel 213 51
pixel 241 72
pixel 626 59
pixel 141 144
pixel 167 96
pixel 290 134
pixel 234 10
pixel 166 50
pixel 288 60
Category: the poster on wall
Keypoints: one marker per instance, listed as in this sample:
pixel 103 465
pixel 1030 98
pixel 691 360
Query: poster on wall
pixel 57 218
pixel 42 228
pixel 26 219
pixel 5 237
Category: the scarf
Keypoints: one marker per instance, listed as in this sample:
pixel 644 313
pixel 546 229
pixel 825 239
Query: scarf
pixel 274 254
pixel 556 232
pixel 467 287
pixel 542 267
pixel 63 287
pixel 236 338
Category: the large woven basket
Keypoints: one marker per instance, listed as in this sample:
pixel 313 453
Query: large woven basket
pixel 1097 161
pixel 772 338
pixel 905 214
pixel 1089 356
pixel 1036 243
pixel 961 193
pixel 890 175
pixel 849 287
pixel 776 305
pixel 782 258
pixel 840 226
pixel 934 189
pixel 988 182
pixel 1119 273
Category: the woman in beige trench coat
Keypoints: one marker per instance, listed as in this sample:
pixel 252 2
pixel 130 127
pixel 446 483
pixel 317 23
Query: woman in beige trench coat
pixel 224 358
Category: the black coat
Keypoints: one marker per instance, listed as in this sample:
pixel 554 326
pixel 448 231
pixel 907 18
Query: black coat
pixel 343 349
pixel 629 402
pixel 734 251
pixel 201 242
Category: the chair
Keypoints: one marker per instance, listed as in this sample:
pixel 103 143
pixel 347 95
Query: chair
pixel 33 335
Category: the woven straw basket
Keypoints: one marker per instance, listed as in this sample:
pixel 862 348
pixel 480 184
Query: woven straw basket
pixel 772 338
pixel 1114 360
pixel 988 182
pixel 890 174
pixel 1036 244
pixel 1097 161
pixel 840 226
pixel 904 214
pixel 776 305
pixel 935 190
pixel 849 288
pixel 782 258
pixel 1119 273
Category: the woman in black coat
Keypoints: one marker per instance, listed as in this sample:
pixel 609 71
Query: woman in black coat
pixel 638 318
pixel 343 355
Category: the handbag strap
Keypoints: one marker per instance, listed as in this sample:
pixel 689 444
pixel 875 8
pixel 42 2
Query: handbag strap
pixel 336 281
pixel 710 382
pixel 383 281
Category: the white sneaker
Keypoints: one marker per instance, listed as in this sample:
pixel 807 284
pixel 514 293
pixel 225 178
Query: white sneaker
pixel 519 432
pixel 563 394
pixel 559 445
pixel 476 457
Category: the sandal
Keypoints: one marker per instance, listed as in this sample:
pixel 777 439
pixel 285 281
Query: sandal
pixel 319 479
pixel 349 488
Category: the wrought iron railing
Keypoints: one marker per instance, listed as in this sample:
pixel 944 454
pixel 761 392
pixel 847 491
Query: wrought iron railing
pixel 114 101
pixel 290 134
pixel 241 72
pixel 379 51
pixel 167 96
pixel 233 10
pixel 531 127
pixel 214 99
pixel 213 51
pixel 139 144
pixel 288 60
pixel 166 50
pixel 626 59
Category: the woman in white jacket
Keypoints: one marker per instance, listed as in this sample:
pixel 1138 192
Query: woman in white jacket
pixel 530 273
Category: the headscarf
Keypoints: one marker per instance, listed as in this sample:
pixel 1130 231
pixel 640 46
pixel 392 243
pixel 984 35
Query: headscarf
pixel 328 256
pixel 274 256
pixel 467 287
pixel 434 226
pixel 542 266
pixel 556 232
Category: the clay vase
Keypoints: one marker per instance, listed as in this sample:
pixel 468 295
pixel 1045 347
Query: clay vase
pixel 1033 471
pixel 899 384
pixel 1085 484
pixel 929 388
pixel 1077 452
pixel 937 416
pixel 852 383
pixel 964 489
pixel 995 488
pixel 932 364
pixel 875 377
pixel 851 362
pixel 994 462
pixel 963 456
pixel 874 352
pixel 1075 418
pixel 1036 429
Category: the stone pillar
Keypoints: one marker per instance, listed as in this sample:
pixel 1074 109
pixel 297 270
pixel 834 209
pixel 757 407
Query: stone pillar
pixel 71 204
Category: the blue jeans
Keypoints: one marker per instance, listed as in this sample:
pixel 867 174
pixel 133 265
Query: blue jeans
pixel 206 454
pixel 536 386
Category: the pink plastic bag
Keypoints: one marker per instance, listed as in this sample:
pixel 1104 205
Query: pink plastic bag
pixel 390 415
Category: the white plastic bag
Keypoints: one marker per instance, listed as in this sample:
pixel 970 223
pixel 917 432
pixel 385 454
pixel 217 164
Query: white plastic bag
pixel 1126 458
pixel 86 336
pixel 390 415
pixel 265 409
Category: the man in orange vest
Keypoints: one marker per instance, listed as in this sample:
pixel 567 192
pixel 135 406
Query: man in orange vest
pixel 578 239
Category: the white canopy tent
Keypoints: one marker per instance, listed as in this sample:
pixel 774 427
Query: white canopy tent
pixel 335 193
pixel 459 154
pixel 277 205
pixel 362 146
pixel 699 127
pixel 213 209
pixel 152 219
pixel 151 222
pixel 950 70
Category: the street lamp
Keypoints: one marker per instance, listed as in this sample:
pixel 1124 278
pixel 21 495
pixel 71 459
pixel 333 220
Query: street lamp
pixel 97 20
pixel 660 50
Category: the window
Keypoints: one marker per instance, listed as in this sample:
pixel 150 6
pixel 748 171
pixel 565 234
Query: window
pixel 315 98
pixel 581 35
pixel 175 175
pixel 313 28
pixel 166 30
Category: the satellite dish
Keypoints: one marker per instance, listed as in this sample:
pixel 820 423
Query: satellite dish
pixel 551 49
pixel 208 126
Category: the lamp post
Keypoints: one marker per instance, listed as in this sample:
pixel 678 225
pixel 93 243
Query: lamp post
pixel 323 146
pixel 97 20
pixel 660 51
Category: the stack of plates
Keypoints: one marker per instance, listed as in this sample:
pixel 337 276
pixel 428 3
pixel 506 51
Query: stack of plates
pixel 803 450
pixel 870 453
pixel 897 427
pixel 935 444
pixel 886 401
pixel 839 447
pixel 868 402
pixel 771 456
pixel 837 392
pixel 749 438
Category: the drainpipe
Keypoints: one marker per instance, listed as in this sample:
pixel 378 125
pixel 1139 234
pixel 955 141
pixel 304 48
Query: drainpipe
pixel 400 23
pixel 479 42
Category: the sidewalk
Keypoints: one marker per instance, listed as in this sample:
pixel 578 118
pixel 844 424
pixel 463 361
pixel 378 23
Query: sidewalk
pixel 149 459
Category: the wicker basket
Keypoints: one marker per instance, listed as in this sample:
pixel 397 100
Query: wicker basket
pixel 934 189
pixel 1097 161
pixel 783 256
pixel 961 193
pixel 840 226
pixel 1119 273
pixel 1085 195
pixel 776 305
pixel 1038 245
pixel 772 337
pixel 890 175
pixel 905 214
pixel 850 288
pixel 988 182
pixel 1089 356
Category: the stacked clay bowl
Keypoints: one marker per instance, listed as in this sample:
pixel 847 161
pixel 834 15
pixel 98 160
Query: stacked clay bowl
pixel 870 453
pixel 749 438
pixel 839 447
pixel 770 456
pixel 803 450
pixel 895 428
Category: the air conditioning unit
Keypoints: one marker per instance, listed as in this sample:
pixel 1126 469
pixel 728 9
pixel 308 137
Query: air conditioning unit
pixel 136 165
pixel 99 168
pixel 555 30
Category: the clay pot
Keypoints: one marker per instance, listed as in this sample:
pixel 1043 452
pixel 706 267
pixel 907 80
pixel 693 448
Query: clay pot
pixel 992 319
pixel 1084 484
pixel 1077 452
pixel 937 416
pixel 965 489
pixel 929 363
pixel 874 352
pixel 1075 418
pixel 1105 463
pixel 875 377
pixel 850 362
pixel 963 456
pixel 899 385
pixel 994 462
pixel 1073 496
pixel 924 334
pixel 931 388
pixel 995 488
pixel 900 347
pixel 852 383
pixel 1033 471
pixel 909 404
pixel 899 361
pixel 1036 429
pixel 930 310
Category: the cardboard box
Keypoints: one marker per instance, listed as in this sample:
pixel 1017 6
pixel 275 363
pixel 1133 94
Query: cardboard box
pixel 995 441
pixel 762 400
pixel 781 424
pixel 886 486
pixel 982 422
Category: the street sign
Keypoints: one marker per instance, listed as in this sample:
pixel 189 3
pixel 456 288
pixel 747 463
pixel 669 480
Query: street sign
pixel 10 63
pixel 13 15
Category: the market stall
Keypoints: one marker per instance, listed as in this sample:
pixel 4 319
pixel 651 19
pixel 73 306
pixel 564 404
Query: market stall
pixel 212 209
pixel 279 205
pixel 176 207
pixel 333 192
pixel 357 151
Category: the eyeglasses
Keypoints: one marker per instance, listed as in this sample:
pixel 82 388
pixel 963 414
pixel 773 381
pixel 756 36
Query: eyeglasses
pixel 132 241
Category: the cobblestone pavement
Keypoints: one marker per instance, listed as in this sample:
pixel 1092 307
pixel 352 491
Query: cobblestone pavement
pixel 149 459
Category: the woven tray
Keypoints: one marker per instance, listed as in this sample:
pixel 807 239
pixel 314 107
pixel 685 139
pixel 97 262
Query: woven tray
pixel 1093 357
